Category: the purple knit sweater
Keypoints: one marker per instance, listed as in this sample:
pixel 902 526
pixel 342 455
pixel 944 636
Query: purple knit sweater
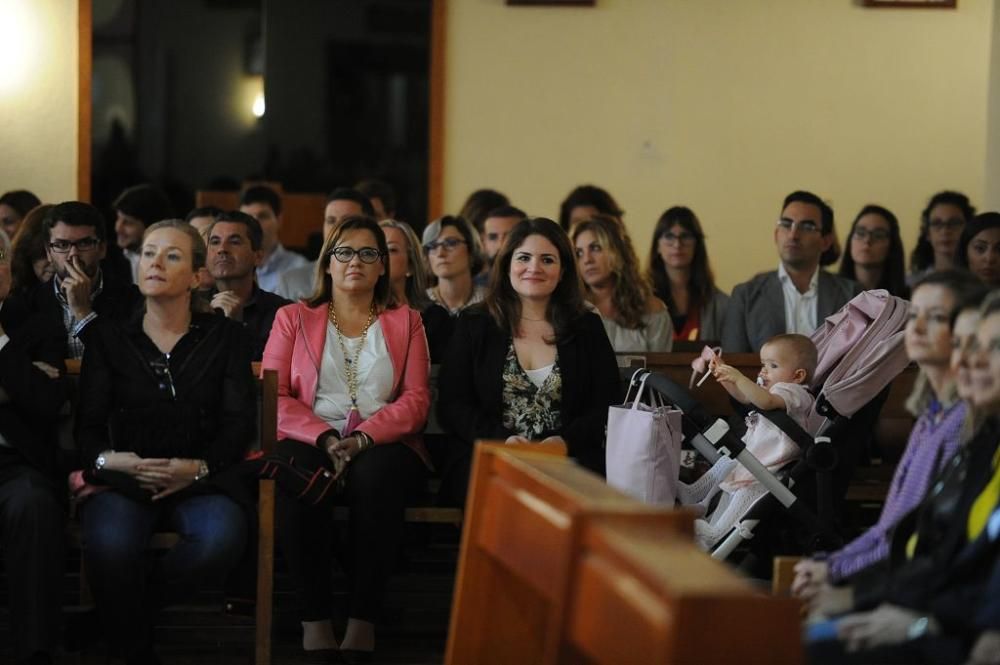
pixel 932 442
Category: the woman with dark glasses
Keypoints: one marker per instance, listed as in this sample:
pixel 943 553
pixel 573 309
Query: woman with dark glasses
pixel 166 409
pixel 455 257
pixel 874 257
pixel 353 383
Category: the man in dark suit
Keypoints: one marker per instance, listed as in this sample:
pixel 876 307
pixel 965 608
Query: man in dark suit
pixel 797 296
pixel 80 290
pixel 31 513
pixel 234 252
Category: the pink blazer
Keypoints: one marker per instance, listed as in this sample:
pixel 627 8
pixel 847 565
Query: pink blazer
pixel 295 350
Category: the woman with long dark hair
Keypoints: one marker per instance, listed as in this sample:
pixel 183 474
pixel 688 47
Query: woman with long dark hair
pixel 941 224
pixel 30 262
pixel 874 256
pixel 531 363
pixel 682 276
pixel 584 202
pixel 979 248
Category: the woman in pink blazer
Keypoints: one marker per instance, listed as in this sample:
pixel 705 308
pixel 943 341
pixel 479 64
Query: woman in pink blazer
pixel 352 382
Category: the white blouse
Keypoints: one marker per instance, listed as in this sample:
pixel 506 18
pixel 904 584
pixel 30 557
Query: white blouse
pixel 333 399
pixel 538 376
pixel 656 333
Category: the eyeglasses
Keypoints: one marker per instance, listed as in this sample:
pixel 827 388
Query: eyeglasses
pixel 950 224
pixel 678 238
pixel 161 367
pixel 875 235
pixel 347 254
pixel 82 245
pixel 448 243
pixel 805 226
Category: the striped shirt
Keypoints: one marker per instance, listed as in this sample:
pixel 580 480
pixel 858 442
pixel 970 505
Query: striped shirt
pixel 934 439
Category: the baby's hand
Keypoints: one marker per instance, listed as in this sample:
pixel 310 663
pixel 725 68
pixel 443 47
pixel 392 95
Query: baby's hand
pixel 726 373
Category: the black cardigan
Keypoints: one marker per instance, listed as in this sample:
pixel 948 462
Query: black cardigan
pixel 126 406
pixel 471 387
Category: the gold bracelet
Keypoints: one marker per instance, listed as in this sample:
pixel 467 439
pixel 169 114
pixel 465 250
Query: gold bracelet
pixel 366 441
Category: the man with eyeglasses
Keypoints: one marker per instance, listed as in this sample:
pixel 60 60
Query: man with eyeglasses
pixel 80 289
pixel 343 202
pixel 31 513
pixel 496 228
pixel 234 252
pixel 797 296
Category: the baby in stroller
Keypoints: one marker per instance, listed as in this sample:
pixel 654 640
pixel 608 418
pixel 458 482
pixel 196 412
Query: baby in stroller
pixel 788 364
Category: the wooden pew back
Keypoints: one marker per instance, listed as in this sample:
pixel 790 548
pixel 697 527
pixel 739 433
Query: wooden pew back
pixel 640 590
pixel 544 577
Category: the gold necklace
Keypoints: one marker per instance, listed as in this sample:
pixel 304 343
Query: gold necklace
pixel 351 368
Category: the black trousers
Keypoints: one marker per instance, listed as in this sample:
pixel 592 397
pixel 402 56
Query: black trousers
pixel 32 540
pixel 380 483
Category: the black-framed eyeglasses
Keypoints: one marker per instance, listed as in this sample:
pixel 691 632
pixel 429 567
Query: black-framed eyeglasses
pixel 448 244
pixel 82 245
pixel 672 238
pixel 161 368
pixel 949 224
pixel 347 254
pixel 875 235
pixel 805 226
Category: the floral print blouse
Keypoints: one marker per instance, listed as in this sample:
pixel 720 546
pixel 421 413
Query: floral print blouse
pixel 529 411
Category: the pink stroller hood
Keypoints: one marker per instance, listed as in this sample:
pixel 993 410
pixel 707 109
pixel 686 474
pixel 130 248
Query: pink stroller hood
pixel 860 351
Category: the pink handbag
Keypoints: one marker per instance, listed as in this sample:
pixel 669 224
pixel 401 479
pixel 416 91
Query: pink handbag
pixel 644 447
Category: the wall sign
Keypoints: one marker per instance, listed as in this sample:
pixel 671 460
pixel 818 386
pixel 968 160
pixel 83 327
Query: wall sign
pixel 912 4
pixel 552 3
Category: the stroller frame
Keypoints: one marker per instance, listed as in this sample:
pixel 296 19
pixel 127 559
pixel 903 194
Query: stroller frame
pixel 713 439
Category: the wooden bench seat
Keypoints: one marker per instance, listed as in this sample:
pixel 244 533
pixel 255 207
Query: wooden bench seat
pixel 557 567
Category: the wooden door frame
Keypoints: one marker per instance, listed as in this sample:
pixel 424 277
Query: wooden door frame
pixel 84 120
pixel 435 156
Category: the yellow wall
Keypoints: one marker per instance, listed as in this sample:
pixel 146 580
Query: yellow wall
pixel 38 97
pixel 722 105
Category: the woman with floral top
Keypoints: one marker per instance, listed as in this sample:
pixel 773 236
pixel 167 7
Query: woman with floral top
pixel 531 363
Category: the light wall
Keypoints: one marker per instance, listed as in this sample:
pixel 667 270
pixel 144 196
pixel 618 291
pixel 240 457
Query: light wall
pixel 38 97
pixel 720 105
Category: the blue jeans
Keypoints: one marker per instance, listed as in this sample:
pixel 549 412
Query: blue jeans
pixel 130 586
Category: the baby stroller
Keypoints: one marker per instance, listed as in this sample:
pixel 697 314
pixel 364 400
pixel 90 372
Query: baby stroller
pixel 860 351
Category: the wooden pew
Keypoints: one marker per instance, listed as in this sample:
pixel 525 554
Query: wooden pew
pixel 265 518
pixel 556 567
pixel 640 594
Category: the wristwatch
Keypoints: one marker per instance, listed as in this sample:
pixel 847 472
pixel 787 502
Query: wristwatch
pixel 202 470
pixel 101 460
